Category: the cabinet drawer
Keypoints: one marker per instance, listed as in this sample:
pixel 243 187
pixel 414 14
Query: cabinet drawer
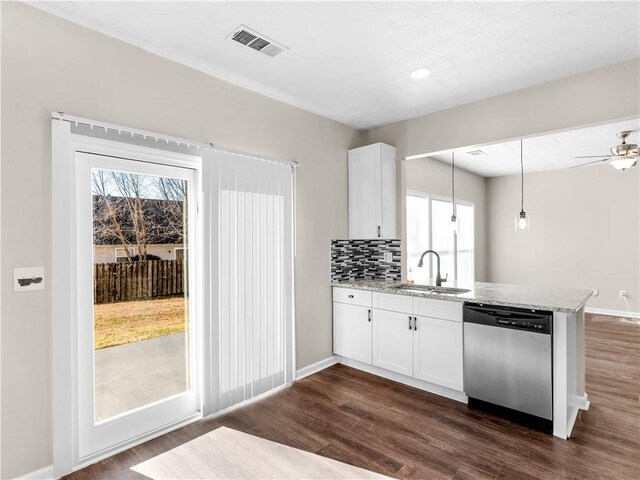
pixel 395 303
pixel 447 310
pixel 352 296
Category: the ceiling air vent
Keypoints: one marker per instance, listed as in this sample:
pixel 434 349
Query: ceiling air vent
pixel 256 41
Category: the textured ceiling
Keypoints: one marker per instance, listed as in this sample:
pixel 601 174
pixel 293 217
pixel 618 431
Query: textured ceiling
pixel 547 152
pixel 350 61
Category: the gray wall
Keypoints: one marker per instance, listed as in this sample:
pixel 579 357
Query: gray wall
pixel 585 232
pixel 51 64
pixel 431 176
pixel 597 96
pixel 589 98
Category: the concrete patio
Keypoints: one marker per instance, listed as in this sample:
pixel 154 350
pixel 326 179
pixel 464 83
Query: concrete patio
pixel 132 375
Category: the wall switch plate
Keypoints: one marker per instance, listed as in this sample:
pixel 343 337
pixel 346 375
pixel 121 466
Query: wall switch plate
pixel 388 257
pixel 28 278
pixel 596 292
pixel 622 293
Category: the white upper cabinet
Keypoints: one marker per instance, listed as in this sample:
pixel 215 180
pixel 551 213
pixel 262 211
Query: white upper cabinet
pixel 372 192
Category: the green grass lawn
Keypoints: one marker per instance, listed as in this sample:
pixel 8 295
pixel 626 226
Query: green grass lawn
pixel 126 322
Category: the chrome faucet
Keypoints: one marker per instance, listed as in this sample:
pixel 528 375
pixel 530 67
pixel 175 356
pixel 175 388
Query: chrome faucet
pixel 439 279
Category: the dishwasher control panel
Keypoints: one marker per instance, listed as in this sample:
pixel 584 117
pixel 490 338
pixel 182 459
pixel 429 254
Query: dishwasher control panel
pixel 516 318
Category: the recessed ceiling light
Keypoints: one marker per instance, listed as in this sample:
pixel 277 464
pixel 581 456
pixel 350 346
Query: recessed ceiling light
pixel 476 152
pixel 421 73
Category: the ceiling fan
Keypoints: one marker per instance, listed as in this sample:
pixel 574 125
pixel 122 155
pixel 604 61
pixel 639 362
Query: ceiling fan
pixel 622 156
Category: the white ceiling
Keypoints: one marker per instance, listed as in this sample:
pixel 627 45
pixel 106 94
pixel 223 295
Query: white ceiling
pixel 554 151
pixel 350 61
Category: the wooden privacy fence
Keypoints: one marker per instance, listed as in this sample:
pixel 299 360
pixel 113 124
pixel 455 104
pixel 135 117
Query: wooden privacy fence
pixel 123 282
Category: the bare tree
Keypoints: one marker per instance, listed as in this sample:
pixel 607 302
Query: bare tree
pixel 135 210
pixel 109 226
pixel 132 191
pixel 174 192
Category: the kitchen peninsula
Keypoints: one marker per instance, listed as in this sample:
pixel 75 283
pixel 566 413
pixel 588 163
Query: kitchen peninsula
pixel 414 334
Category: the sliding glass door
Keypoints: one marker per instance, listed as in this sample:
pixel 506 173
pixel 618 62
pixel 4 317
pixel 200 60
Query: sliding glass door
pixel 137 369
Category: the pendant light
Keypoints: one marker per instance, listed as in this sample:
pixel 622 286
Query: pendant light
pixel 454 218
pixel 523 221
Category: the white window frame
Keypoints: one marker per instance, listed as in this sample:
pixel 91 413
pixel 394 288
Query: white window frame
pixel 433 196
pixel 457 252
pixel 64 286
pixel 427 197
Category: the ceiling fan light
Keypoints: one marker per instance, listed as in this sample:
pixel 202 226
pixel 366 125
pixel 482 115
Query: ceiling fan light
pixel 623 163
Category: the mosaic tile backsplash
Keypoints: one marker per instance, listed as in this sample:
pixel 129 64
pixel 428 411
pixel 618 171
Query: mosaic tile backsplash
pixel 354 259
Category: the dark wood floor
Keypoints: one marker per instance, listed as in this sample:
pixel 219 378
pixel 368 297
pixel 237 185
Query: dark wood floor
pixel 402 432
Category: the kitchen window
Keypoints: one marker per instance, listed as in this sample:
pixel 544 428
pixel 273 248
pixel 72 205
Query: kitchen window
pixel 429 227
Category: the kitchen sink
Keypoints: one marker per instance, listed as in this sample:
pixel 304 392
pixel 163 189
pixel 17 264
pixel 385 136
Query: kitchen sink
pixel 433 289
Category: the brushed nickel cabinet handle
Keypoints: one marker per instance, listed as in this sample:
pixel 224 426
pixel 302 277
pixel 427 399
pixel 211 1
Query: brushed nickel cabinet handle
pixel 409 323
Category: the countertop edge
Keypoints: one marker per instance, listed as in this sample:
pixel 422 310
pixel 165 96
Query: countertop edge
pixel 392 289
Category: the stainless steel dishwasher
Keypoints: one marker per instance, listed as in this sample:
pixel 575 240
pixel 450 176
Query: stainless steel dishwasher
pixel 508 357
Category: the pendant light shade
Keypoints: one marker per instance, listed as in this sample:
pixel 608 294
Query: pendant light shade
pixel 522 220
pixel 454 217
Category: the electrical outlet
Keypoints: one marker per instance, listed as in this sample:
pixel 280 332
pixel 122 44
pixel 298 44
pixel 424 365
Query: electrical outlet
pixel 622 293
pixel 388 257
pixel 596 292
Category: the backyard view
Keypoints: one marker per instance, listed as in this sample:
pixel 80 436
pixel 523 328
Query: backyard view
pixel 126 322
pixel 140 290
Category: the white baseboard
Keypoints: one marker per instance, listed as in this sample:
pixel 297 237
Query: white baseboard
pixel 412 382
pixel 45 473
pixel 316 367
pixel 246 402
pixel 580 401
pixel 613 313
pixel 571 420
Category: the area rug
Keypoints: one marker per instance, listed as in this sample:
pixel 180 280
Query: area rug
pixel 228 454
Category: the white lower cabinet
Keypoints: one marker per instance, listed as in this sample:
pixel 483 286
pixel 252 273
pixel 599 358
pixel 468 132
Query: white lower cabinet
pixel 352 332
pixel 416 337
pixel 437 352
pixel 393 341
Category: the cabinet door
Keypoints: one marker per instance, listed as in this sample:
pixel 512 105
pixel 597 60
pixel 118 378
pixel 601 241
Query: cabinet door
pixel 393 341
pixel 365 192
pixel 389 199
pixel 352 332
pixel 438 352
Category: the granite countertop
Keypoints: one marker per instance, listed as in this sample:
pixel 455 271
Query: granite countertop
pixel 520 296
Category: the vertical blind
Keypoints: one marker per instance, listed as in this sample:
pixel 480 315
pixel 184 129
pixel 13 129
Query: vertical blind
pixel 249 267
